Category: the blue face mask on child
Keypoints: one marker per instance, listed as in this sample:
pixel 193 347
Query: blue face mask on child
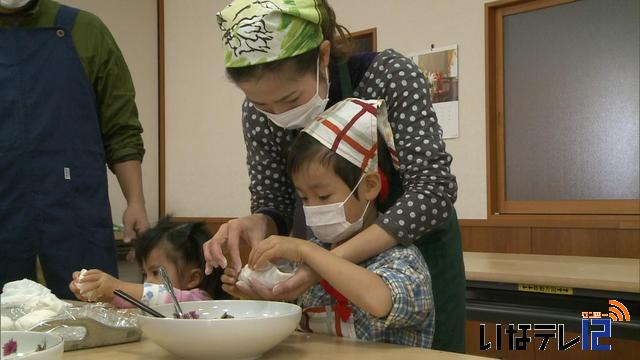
pixel 329 222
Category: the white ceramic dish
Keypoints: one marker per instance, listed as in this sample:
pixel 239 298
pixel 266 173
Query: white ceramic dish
pixel 27 342
pixel 257 326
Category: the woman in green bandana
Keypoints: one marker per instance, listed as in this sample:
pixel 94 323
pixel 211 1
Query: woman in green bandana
pixel 289 58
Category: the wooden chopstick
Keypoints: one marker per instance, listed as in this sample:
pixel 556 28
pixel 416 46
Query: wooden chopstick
pixel 123 295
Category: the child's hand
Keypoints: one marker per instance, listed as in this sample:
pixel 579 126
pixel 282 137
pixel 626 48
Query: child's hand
pixel 229 280
pixel 74 289
pixel 99 285
pixel 276 247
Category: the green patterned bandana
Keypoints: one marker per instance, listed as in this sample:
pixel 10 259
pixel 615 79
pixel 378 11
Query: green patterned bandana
pixel 261 31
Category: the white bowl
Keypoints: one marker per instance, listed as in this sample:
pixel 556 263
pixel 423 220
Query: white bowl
pixel 257 326
pixel 28 342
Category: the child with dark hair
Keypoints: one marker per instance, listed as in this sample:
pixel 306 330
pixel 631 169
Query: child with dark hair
pixel 334 166
pixel 175 246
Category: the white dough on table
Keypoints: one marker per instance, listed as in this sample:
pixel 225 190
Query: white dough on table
pixel 34 318
pixel 29 296
pixel 270 276
pixel 6 323
pixel 81 286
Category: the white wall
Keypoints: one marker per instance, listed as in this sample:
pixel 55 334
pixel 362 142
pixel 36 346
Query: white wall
pixel 206 171
pixel 134 26
pixel 205 155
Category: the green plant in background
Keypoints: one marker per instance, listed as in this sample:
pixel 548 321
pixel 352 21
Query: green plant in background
pixel 117 230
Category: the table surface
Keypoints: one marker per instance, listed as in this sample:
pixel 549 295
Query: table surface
pixel 599 273
pixel 296 346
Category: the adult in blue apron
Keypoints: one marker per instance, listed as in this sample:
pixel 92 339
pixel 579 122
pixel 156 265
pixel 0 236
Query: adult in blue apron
pixel 53 184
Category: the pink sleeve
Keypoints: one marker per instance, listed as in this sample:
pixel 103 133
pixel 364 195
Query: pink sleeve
pixel 191 295
pixel 120 303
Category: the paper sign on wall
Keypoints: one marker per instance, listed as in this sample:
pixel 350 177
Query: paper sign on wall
pixel 440 67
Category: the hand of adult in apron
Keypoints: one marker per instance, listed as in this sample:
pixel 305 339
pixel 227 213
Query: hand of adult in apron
pixel 274 247
pixel 288 290
pixel 135 221
pixel 287 248
pixel 249 230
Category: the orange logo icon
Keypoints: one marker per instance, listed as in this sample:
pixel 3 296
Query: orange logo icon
pixel 617 311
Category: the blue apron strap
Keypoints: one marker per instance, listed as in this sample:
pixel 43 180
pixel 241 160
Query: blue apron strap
pixel 66 17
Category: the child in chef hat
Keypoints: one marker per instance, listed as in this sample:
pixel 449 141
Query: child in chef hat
pixel 334 166
pixel 175 246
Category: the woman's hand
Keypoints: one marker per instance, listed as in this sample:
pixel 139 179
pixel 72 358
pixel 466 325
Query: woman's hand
pixel 96 285
pixel 249 229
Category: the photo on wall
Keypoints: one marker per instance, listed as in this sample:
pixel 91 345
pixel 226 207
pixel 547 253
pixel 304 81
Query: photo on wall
pixel 440 68
pixel 365 40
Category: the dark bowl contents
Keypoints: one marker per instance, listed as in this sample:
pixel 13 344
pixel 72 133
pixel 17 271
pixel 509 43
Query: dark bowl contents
pixel 190 315
pixel 226 316
pixel 194 315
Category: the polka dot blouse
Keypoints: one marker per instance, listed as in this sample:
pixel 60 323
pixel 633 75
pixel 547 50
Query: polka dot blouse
pixel 429 187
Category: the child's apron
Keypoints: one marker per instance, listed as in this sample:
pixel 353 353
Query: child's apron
pixel 336 320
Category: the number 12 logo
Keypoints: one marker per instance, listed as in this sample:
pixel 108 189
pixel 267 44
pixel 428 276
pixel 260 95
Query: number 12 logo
pixel 591 342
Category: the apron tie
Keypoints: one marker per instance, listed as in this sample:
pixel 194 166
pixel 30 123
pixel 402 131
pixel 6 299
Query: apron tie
pixel 342 308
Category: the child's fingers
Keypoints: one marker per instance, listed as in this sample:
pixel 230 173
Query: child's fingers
pixel 74 289
pixel 92 272
pixel 262 291
pixel 87 278
pixel 103 293
pixel 229 276
pixel 89 287
pixel 226 279
pixel 246 292
pixel 233 291
pixel 75 275
pixel 95 294
pixel 264 257
pixel 230 272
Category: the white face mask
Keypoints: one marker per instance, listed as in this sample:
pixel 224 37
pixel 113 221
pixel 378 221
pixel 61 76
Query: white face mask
pixel 329 222
pixel 304 114
pixel 13 4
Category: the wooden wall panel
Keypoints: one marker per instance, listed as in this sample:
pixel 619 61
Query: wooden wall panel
pixel 496 239
pixel 587 242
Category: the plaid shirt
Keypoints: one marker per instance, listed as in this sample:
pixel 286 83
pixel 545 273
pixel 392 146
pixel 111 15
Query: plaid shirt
pixel 411 321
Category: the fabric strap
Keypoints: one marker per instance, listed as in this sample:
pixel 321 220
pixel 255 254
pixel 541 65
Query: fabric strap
pixel 66 17
pixel 342 308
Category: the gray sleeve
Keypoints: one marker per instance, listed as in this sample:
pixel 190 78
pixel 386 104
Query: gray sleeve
pixel 429 188
pixel 267 146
